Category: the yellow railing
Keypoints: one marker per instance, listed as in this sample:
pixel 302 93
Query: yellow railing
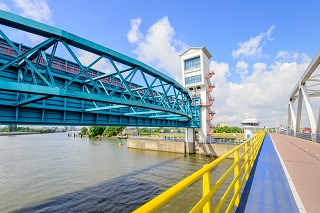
pixel 251 149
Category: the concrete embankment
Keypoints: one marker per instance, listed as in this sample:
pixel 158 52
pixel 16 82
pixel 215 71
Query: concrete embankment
pixel 209 149
pixel 216 149
pixel 157 145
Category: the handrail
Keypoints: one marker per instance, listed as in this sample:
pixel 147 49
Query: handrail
pixel 251 149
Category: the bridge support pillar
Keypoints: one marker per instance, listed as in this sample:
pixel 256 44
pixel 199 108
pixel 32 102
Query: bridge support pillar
pixel 190 140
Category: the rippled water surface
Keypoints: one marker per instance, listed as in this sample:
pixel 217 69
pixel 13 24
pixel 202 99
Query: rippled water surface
pixel 54 173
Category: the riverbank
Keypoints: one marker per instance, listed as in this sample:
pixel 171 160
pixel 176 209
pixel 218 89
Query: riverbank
pixel 17 133
pixel 22 133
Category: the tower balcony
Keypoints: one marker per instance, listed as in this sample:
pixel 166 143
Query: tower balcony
pixel 210 74
pixel 209 103
pixel 212 112
pixel 209 118
pixel 211 126
pixel 210 87
pixel 209 133
pixel 210 97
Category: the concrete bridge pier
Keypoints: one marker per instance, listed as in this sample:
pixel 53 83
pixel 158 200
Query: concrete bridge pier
pixel 190 140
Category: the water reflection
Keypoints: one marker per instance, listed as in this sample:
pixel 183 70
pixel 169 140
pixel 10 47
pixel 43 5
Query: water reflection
pixel 53 173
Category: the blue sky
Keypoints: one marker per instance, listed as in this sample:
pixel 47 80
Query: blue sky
pixel 256 45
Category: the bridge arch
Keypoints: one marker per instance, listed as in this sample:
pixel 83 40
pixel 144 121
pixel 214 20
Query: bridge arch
pixel 39 87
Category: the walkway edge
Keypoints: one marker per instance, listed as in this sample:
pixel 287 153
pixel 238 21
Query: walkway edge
pixel 291 184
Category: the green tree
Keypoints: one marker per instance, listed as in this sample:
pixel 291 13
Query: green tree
pixel 144 130
pixel 166 130
pixel 227 129
pixel 46 130
pixel 96 130
pixel 157 130
pixel 12 128
pixel 113 130
pixel 4 129
pixel 84 130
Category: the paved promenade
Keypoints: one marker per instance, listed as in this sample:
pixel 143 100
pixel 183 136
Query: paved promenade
pixel 302 160
pixel 267 189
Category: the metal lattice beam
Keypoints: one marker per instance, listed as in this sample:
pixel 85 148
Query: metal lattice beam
pixel 303 91
pixel 53 90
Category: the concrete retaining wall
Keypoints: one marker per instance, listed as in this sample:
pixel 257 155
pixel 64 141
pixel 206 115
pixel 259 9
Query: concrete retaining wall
pixel 216 150
pixel 209 149
pixel 166 146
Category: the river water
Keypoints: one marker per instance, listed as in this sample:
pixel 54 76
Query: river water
pixel 54 173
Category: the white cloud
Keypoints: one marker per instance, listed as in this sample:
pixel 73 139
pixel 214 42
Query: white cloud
pixel 86 58
pixel 262 94
pixel 259 67
pixel 283 54
pixel 4 7
pixel 242 68
pixel 134 35
pixel 252 47
pixel 158 48
pixel 37 10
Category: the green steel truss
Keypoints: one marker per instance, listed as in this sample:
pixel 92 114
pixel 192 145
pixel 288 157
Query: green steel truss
pixel 38 87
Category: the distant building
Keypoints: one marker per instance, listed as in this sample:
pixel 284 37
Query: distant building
pixel 72 128
pixel 132 132
pixel 221 124
pixel 248 125
pixel 136 133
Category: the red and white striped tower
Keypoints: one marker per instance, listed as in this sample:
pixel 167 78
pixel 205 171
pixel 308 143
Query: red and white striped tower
pixel 196 77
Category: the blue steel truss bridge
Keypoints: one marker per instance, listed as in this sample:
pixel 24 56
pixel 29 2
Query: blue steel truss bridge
pixel 38 87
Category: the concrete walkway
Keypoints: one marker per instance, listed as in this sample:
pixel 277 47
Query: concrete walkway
pixel 302 160
pixel 267 189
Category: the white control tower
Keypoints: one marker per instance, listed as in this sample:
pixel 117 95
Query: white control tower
pixel 197 80
pixel 249 125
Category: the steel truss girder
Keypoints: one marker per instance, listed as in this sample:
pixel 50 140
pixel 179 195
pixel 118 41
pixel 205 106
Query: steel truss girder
pixel 104 96
pixel 57 92
pixel 18 22
pixel 303 93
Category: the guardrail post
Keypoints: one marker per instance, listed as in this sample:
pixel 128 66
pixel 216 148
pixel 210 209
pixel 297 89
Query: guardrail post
pixel 206 189
pixel 254 149
pixel 236 173
pixel 246 158
pixel 251 153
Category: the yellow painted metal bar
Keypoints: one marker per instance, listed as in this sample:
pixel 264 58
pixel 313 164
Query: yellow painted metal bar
pixel 251 149
pixel 206 190
pixel 226 194
pixel 163 198
pixel 251 153
pixel 233 200
pixel 246 160
pixel 202 202
pixel 229 189
pixel 236 176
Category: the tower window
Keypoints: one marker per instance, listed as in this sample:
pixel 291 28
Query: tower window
pixel 192 80
pixel 192 63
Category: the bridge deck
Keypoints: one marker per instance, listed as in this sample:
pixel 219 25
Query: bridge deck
pixel 302 160
pixel 267 189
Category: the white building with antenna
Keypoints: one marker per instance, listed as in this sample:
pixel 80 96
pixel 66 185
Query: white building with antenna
pixel 249 125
